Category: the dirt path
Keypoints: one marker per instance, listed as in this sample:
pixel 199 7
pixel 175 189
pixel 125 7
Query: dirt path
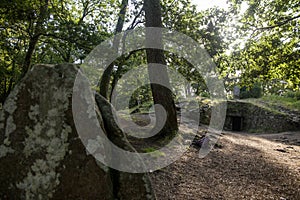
pixel 246 167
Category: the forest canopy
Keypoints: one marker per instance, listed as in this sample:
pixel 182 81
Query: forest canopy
pixel 252 42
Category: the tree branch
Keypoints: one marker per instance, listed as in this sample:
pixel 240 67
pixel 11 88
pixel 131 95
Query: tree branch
pixel 132 26
pixel 279 24
pixel 84 47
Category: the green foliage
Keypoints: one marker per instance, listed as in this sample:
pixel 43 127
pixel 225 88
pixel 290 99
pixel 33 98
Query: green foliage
pixel 142 99
pixel 149 150
pixel 206 27
pixel 48 32
pixel 244 94
pixel 154 152
pixel 205 94
pixel 254 92
pixel 70 29
pixel 271 50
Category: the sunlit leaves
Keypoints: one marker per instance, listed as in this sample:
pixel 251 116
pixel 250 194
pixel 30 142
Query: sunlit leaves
pixel 271 51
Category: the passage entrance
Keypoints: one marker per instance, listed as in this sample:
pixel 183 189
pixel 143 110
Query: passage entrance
pixel 237 123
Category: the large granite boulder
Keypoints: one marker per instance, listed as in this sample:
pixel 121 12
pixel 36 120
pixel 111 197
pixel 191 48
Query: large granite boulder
pixel 41 154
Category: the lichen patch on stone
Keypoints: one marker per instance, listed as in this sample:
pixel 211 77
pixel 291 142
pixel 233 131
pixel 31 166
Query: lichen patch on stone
pixel 48 134
pixel 42 178
pixel 10 126
pixel 4 150
pixel 34 110
pixel 38 185
pixel 10 104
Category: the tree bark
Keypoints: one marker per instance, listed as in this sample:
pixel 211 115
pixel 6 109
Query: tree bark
pixel 105 80
pixel 38 30
pixel 161 95
pixel 122 181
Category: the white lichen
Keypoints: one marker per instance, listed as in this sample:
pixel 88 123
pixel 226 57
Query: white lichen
pixel 5 147
pixel 49 134
pixel 6 142
pixel 92 146
pixel 10 126
pixel 91 111
pixel 10 104
pixel 38 184
pixel 147 186
pixel 53 112
pixel 33 112
pixel 10 107
pixel 4 150
pixel 95 145
pixel 61 96
pixel 45 179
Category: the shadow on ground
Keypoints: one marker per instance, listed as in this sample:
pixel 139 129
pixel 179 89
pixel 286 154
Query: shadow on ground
pixel 242 169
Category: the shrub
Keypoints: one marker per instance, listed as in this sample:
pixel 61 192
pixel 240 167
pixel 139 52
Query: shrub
pixel 244 94
pixel 254 92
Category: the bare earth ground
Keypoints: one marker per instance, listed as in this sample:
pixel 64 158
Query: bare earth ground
pixel 247 166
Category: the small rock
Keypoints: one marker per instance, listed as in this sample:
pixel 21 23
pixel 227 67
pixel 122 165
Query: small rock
pixel 198 142
pixel 281 150
pixel 290 147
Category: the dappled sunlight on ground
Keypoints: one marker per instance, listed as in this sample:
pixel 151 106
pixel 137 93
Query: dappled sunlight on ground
pixel 273 151
pixel 246 167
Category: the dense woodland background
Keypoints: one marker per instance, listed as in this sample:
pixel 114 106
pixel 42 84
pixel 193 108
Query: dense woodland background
pixel 257 49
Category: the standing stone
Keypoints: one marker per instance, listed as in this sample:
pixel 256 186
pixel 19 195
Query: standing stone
pixel 41 154
pixel 236 92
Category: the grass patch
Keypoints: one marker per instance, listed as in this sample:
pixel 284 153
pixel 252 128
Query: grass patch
pixel 154 153
pixel 265 104
pixel 287 102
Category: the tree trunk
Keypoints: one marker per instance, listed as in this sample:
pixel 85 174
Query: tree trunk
pixel 27 62
pixel 105 80
pixel 161 95
pixel 38 30
pixel 122 181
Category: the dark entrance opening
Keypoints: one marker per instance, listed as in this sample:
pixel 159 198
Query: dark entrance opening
pixel 236 123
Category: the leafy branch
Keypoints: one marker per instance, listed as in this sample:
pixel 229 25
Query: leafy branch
pixel 279 24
